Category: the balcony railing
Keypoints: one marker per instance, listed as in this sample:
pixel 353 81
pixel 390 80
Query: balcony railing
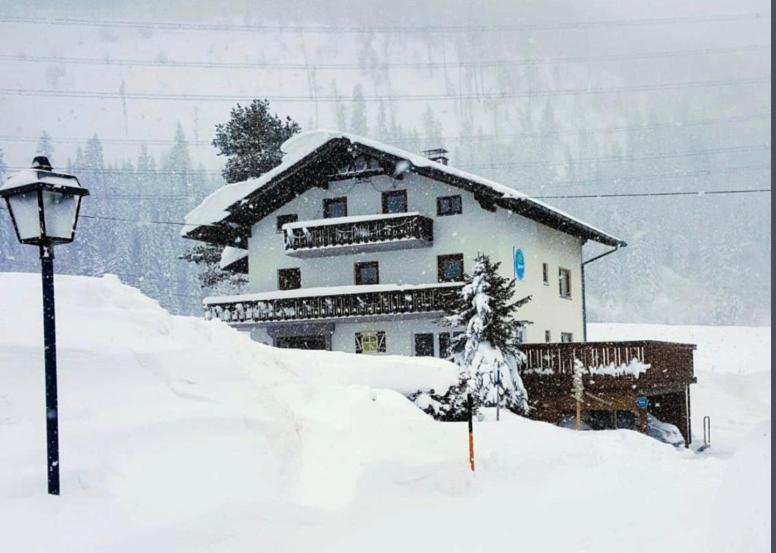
pixel 649 363
pixel 343 235
pixel 331 304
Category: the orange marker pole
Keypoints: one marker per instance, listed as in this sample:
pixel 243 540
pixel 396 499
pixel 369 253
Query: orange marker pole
pixel 471 432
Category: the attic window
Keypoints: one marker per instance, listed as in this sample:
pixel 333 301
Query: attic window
pixel 449 205
pixel 335 207
pixel 283 219
pixel 395 201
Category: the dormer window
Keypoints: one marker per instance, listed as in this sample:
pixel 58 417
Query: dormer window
pixel 395 201
pixel 335 207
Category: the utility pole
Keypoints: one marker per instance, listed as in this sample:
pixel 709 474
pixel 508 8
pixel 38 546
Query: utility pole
pixel 471 431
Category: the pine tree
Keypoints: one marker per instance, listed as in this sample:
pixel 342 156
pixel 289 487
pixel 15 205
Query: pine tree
pixel 251 140
pixel 488 351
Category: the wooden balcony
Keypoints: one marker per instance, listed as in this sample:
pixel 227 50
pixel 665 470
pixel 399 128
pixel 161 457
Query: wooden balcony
pixel 614 374
pixel 343 235
pixel 332 304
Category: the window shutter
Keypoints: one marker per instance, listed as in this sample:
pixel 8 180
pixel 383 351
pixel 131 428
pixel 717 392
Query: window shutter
pixel 381 341
pixel 359 347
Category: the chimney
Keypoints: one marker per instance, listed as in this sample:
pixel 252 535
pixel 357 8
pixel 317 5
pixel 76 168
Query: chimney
pixel 437 154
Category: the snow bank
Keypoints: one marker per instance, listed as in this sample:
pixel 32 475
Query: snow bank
pixel 183 435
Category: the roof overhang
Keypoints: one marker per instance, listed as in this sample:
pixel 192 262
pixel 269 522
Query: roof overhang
pixel 320 165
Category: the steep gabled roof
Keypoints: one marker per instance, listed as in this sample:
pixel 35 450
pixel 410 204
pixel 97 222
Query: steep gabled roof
pixel 312 157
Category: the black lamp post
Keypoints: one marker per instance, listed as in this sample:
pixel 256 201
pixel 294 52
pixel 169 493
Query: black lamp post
pixel 44 209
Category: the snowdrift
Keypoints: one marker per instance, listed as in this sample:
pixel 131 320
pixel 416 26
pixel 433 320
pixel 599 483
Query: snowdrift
pixel 179 434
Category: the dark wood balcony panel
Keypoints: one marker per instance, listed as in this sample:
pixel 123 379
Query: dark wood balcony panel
pixel 375 302
pixel 382 232
pixel 659 366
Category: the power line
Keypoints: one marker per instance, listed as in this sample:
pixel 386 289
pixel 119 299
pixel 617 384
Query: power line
pixel 378 66
pixel 762 117
pixel 359 29
pixel 654 194
pixel 696 193
pixel 382 98
pixel 476 165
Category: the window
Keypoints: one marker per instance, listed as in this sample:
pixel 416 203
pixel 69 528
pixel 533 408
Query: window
pixel 283 219
pixel 450 268
pixel 371 341
pixel 520 335
pixel 335 207
pixel 566 337
pixel 546 274
pixel 367 273
pixel 547 336
pixel 444 345
pixel 564 280
pixel 395 201
pixel 449 205
pixel 424 345
pixel 289 279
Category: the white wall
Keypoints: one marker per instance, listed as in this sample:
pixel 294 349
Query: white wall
pixel 475 230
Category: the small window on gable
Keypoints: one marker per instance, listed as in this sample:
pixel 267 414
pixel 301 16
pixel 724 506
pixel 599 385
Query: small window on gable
pixel 547 336
pixel 546 274
pixel 370 341
pixel 449 205
pixel 289 279
pixel 367 273
pixel 283 219
pixel 566 337
pixel 335 207
pixel 564 283
pixel 395 201
pixel 450 268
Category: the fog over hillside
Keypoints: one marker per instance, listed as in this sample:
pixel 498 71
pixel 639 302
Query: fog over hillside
pixel 552 98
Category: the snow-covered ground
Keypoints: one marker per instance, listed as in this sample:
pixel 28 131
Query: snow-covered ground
pixel 179 434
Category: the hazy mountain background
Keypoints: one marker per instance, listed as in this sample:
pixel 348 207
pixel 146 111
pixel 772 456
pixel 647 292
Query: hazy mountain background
pixel 553 98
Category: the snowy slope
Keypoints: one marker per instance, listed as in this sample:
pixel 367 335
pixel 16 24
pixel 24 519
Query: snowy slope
pixel 183 435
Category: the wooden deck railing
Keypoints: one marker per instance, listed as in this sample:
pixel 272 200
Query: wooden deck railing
pixel 646 361
pixel 387 303
pixel 373 231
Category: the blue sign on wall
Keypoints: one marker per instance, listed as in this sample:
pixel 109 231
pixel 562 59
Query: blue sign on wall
pixel 642 402
pixel 519 264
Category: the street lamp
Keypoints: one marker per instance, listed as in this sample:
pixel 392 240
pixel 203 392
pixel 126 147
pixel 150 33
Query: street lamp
pixel 44 209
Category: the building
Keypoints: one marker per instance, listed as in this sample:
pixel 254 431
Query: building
pixel 357 246
pixel 354 245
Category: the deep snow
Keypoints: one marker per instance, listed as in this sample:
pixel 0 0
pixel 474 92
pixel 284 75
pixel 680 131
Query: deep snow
pixel 179 434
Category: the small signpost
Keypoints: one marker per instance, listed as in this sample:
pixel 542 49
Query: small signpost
pixel 642 403
pixel 471 431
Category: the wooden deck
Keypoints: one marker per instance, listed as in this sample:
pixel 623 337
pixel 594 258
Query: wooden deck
pixel 615 375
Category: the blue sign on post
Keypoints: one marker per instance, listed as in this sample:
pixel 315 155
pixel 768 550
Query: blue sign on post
pixel 642 402
pixel 519 264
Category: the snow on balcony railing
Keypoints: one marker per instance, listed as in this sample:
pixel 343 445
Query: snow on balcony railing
pixel 332 302
pixel 359 229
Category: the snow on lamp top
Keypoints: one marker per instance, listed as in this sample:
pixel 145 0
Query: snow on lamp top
pixel 43 204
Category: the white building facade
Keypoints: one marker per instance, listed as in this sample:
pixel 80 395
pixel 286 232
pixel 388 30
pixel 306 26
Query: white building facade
pixel 357 246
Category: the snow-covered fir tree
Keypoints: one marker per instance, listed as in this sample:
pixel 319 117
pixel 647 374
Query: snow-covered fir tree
pixel 488 350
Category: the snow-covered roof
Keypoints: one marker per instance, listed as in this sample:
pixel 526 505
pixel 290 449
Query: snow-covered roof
pixel 218 206
pixel 231 255
pixel 324 291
